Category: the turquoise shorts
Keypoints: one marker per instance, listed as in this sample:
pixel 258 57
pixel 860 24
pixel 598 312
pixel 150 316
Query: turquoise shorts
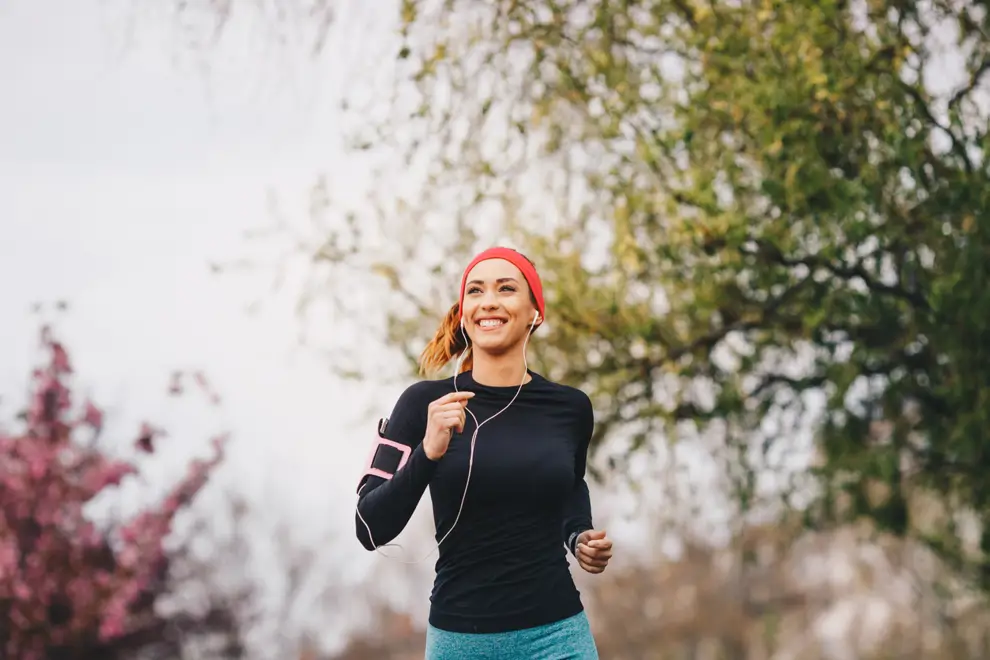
pixel 569 639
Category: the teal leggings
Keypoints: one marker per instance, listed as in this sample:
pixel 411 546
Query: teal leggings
pixel 569 639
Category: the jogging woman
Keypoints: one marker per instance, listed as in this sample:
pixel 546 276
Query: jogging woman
pixel 503 451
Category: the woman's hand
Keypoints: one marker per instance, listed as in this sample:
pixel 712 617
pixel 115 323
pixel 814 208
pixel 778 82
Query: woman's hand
pixel 443 416
pixel 593 549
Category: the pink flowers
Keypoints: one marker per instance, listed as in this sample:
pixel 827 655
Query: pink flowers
pixel 92 416
pixel 101 472
pixel 146 438
pixel 63 582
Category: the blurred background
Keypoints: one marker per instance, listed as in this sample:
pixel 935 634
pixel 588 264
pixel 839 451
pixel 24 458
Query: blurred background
pixel 228 229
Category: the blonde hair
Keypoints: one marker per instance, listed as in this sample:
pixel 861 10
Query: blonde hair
pixel 448 341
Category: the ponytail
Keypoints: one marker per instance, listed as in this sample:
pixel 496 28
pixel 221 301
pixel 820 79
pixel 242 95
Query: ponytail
pixel 446 343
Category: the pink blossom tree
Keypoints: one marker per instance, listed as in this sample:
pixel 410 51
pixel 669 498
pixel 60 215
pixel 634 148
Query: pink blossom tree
pixel 69 588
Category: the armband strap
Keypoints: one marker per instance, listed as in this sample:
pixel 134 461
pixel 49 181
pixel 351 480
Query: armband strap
pixel 386 456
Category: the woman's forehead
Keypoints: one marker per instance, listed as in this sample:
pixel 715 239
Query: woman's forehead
pixel 490 270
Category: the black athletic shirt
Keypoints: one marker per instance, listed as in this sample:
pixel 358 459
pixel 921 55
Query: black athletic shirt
pixel 504 567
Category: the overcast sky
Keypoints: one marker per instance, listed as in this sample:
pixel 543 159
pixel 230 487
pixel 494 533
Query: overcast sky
pixel 123 174
pixel 125 169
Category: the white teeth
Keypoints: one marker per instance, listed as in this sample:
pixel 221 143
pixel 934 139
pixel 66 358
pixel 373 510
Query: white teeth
pixel 489 323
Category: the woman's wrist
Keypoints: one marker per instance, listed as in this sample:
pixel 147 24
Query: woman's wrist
pixel 572 542
pixel 432 455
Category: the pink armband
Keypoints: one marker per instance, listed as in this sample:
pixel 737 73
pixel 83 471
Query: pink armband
pixel 374 467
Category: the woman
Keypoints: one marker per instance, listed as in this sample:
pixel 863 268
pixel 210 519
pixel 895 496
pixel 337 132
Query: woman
pixel 503 588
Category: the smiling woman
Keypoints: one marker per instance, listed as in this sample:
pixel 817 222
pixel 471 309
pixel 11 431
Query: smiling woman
pixel 505 276
pixel 503 588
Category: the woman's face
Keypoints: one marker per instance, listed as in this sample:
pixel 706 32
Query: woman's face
pixel 498 310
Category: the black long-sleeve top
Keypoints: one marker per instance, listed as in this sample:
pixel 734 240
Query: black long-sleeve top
pixel 504 566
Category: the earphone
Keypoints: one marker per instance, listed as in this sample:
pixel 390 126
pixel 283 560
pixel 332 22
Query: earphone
pixel 474 439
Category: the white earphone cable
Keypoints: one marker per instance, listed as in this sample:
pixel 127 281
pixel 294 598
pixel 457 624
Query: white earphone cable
pixel 474 438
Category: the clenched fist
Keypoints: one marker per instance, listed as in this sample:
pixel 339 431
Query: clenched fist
pixel 443 416
pixel 593 550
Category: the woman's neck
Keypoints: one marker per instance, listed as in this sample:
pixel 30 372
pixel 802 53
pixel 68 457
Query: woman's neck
pixel 501 371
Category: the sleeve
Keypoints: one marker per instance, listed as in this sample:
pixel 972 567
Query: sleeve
pixel 397 473
pixel 577 512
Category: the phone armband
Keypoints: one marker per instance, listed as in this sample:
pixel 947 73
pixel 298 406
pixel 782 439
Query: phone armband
pixel 386 457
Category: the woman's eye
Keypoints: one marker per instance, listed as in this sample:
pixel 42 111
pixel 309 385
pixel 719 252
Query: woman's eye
pixel 504 287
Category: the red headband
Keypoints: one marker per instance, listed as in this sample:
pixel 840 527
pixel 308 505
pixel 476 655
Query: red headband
pixel 517 260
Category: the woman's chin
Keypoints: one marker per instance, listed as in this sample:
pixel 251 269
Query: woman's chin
pixel 494 346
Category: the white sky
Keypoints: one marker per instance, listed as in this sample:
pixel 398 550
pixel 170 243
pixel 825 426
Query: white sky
pixel 120 180
pixel 124 171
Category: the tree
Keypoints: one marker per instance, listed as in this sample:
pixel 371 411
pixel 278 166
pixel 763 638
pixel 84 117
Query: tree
pixel 200 24
pixel 751 214
pixel 754 213
pixel 70 588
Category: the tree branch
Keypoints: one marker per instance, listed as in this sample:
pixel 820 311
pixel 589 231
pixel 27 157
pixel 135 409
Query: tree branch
pixel 971 85
pixel 957 146
pixel 843 271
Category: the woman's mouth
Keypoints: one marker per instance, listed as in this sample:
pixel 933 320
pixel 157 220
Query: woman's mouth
pixel 491 323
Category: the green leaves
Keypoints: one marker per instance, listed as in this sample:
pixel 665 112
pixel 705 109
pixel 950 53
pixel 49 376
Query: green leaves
pixel 736 206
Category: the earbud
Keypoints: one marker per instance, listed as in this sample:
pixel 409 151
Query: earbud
pixel 536 316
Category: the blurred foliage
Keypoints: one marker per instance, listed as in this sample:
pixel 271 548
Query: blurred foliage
pixel 778 591
pixel 176 579
pixel 72 587
pixel 749 215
